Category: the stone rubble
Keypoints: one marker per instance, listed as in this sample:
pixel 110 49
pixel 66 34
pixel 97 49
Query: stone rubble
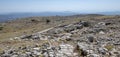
pixel 76 40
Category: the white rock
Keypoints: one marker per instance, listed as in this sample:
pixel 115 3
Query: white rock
pixel 90 51
pixel 93 55
pixel 36 48
pixel 101 32
pixel 66 49
pixel 101 23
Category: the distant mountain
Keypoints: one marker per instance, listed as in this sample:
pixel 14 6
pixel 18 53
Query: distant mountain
pixel 109 13
pixel 12 16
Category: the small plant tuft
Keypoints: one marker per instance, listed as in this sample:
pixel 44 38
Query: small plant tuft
pixel 1 28
pixel 109 47
pixel 47 21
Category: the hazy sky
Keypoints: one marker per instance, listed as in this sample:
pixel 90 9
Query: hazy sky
pixel 9 6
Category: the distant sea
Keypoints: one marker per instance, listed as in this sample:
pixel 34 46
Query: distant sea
pixel 12 16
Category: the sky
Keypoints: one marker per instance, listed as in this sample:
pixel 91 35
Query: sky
pixel 11 6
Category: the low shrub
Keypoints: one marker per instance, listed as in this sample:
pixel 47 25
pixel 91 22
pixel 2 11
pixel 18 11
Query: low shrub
pixel 1 28
pixel 109 47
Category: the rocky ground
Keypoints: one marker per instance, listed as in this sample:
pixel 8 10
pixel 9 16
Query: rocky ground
pixel 93 38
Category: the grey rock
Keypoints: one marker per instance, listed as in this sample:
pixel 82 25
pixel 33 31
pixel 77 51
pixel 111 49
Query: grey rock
pixel 91 38
pixel 103 51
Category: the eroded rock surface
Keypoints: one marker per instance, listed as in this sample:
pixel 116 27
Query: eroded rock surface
pixel 84 38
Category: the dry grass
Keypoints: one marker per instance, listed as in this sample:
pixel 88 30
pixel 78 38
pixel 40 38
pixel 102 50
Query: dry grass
pixel 23 26
pixel 26 26
pixel 109 47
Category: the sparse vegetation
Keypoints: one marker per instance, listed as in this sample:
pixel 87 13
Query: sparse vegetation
pixel 33 20
pixel 34 24
pixel 28 26
pixel 41 55
pixel 1 50
pixel 109 47
pixel 41 33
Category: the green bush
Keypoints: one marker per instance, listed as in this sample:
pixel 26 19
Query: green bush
pixel 34 20
pixel 48 21
pixel 1 28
